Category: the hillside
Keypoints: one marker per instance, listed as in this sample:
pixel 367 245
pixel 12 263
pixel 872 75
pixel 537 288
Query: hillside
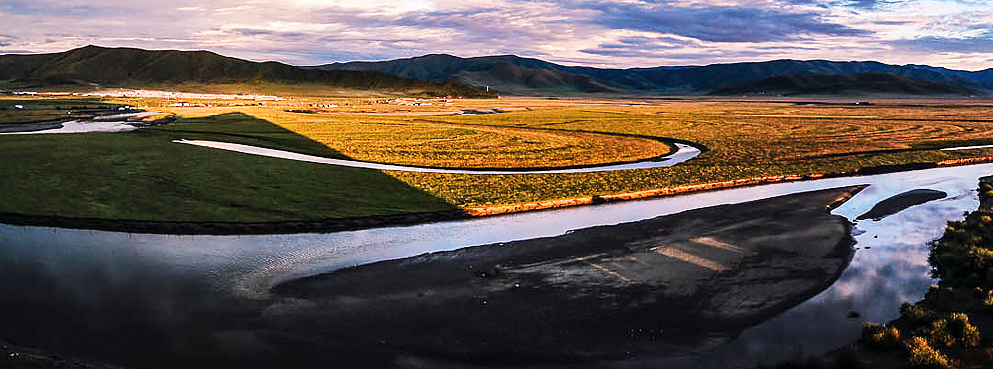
pixel 845 84
pixel 128 67
pixel 504 74
pixel 678 80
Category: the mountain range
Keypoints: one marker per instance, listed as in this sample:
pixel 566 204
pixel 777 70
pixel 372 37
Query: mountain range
pixel 516 75
pixel 129 67
pixel 442 74
pixel 867 83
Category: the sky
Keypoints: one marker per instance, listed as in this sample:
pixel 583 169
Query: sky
pixel 955 34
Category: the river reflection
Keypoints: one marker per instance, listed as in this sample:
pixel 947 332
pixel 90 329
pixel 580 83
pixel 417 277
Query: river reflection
pixel 890 267
pixel 135 299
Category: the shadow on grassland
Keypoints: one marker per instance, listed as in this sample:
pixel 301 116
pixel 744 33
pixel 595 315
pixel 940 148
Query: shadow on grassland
pixel 143 182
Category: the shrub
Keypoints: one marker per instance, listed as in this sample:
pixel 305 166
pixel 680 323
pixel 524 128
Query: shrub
pixel 938 333
pixel 915 314
pixel 922 355
pixel 880 337
pixel 988 304
pixel 966 334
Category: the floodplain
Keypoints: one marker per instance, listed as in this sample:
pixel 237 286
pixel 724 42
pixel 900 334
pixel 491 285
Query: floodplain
pixel 273 290
pixel 741 139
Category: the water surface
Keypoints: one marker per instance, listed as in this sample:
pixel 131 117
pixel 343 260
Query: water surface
pixel 104 123
pixel 127 298
pixel 683 153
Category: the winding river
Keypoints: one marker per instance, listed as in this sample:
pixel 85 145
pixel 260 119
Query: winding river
pixel 125 297
pixel 103 123
pixel 683 153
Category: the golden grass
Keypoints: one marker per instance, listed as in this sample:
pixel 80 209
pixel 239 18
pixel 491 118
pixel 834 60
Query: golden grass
pixel 421 142
pixel 746 139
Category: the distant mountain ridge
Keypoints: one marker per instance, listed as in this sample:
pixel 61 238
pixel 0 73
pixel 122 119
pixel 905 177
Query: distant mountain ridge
pixel 672 80
pixel 126 67
pixel 442 74
pixel 505 73
pixel 845 84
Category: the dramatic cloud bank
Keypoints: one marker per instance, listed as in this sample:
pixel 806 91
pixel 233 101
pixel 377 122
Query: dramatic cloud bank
pixel 622 33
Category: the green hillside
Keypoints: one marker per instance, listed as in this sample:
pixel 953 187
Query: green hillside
pixel 514 79
pixel 128 67
pixel 505 74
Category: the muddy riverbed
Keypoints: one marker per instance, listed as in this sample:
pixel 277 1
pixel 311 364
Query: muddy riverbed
pixel 608 292
pixel 198 301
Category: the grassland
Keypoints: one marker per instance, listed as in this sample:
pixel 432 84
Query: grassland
pixel 746 139
pixel 41 109
pixel 141 175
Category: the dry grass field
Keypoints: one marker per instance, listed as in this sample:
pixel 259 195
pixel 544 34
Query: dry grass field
pixel 745 138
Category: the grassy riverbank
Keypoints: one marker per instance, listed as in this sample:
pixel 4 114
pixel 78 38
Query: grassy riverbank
pixel 953 326
pixel 14 110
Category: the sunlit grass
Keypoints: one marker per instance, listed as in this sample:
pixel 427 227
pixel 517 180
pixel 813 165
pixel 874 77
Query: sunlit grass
pixel 745 139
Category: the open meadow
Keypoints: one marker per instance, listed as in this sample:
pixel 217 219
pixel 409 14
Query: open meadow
pixel 112 175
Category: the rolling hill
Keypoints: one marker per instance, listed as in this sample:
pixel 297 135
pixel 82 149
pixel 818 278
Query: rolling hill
pixel 505 74
pixel 670 80
pixel 845 84
pixel 128 67
pixel 441 74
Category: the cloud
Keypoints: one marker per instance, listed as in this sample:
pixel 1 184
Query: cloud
pixel 618 33
pixel 982 43
pixel 721 23
pixel 871 4
pixel 239 8
pixel 7 40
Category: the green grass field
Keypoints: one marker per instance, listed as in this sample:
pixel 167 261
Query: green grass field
pixel 41 109
pixel 143 175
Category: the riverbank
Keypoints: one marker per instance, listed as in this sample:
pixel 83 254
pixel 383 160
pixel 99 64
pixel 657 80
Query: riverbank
pixel 12 357
pixel 951 326
pixel 366 222
pixel 675 283
pixel 35 126
pixel 103 121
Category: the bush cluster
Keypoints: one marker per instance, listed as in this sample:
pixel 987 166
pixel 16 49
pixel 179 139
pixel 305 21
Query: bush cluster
pixel 922 355
pixel 882 337
pixel 962 257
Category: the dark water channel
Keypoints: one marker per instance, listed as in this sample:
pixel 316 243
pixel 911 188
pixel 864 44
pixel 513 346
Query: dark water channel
pixel 165 301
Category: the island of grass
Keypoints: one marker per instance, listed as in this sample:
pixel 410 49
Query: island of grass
pixel 142 181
